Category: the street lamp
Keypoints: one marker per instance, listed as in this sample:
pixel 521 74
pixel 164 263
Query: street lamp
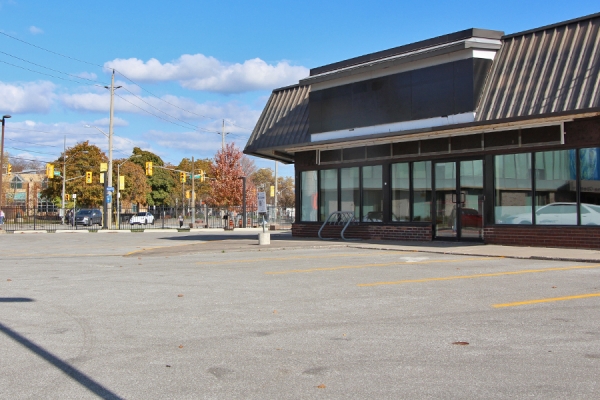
pixel 4 117
pixel 119 187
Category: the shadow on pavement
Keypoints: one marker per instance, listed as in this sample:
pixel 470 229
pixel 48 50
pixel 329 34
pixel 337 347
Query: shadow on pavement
pixel 70 371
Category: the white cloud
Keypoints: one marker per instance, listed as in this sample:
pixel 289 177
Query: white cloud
pixel 106 121
pixel 199 72
pixel 34 30
pixel 30 97
pixel 87 75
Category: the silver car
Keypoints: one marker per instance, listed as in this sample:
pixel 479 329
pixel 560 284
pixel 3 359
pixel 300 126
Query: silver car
pixel 559 214
pixel 140 218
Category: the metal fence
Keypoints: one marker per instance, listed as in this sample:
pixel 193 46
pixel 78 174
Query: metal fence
pixel 19 218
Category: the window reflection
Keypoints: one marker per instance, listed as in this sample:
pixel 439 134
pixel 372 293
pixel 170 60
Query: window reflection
pixel 555 188
pixel 350 190
pixel 513 191
pixel 329 193
pixel 372 210
pixel 309 196
pixel 400 192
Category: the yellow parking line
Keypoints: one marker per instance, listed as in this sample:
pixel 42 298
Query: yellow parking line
pixel 449 278
pixel 300 271
pixel 295 258
pixel 522 303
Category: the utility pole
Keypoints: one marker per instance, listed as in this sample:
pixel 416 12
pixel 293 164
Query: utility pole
pixel 193 196
pixel 64 178
pixel 108 204
pixel 223 136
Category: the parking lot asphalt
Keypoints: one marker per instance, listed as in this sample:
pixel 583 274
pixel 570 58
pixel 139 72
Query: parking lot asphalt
pixel 207 314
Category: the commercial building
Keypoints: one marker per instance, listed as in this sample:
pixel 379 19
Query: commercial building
pixel 475 135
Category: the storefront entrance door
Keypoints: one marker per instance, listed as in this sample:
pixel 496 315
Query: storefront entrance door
pixel 459 200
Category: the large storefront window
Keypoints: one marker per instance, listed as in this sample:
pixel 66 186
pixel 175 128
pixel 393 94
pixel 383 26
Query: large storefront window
pixel 513 191
pixel 350 190
pixel 400 192
pixel 555 188
pixel 422 191
pixel 372 182
pixel 309 192
pixel 329 193
pixel 589 171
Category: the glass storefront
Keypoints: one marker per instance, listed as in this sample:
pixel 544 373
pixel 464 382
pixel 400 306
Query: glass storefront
pixel 329 193
pixel 309 194
pixel 560 187
pixel 372 183
pixel 401 192
pixel 513 189
pixel 350 189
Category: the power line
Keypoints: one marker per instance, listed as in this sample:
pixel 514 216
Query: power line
pixel 42 73
pixel 51 69
pixel 31 143
pixel 29 151
pixel 50 51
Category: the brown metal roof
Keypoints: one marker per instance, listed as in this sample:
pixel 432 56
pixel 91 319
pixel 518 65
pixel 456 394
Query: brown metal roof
pixel 283 122
pixel 549 70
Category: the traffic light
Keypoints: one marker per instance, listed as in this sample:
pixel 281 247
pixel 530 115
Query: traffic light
pixel 88 177
pixel 149 168
pixel 9 169
pixel 121 183
pixel 272 191
pixel 101 177
pixel 182 177
pixel 188 194
pixel 50 171
pixel 201 175
pixel 67 197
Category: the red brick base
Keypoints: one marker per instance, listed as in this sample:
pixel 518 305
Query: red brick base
pixel 582 237
pixel 372 232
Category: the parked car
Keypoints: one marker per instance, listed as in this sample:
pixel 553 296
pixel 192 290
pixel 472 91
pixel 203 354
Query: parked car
pixel 142 218
pixel 88 217
pixel 559 214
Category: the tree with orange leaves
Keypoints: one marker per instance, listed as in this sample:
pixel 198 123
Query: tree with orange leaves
pixel 225 179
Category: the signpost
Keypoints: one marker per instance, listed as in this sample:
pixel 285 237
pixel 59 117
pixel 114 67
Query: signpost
pixel 263 238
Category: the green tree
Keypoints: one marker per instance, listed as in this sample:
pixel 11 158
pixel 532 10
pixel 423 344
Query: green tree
pixel 81 158
pixel 161 182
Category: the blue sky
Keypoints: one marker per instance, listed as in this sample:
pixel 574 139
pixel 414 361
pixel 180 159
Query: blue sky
pixel 191 64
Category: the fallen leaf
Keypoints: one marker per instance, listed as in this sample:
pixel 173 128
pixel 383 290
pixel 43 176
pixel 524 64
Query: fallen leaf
pixel 274 311
pixel 461 343
pixel 344 334
pixel 168 366
pixel 179 295
pixel 277 349
pixel 321 386
pixel 553 287
pixel 9 280
pixel 181 346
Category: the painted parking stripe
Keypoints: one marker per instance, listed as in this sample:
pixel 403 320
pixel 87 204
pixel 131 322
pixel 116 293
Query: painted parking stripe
pixel 297 258
pixel 549 300
pixel 395 263
pixel 450 278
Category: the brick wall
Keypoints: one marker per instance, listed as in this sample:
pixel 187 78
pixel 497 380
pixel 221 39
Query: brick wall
pixel 371 232
pixel 574 237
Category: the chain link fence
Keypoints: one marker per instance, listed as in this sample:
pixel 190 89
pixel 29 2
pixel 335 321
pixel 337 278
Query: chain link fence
pixel 19 218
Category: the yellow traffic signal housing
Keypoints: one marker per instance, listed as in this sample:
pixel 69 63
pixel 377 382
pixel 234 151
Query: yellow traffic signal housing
pixel 9 169
pixel 149 168
pixel 101 177
pixel 201 175
pixel 187 194
pixel 272 191
pixel 88 177
pixel 50 171
pixel 182 177
pixel 67 197
pixel 121 183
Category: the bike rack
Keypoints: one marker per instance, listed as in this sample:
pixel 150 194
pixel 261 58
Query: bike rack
pixel 337 218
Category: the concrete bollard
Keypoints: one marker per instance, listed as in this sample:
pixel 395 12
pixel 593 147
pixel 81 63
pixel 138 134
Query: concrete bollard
pixel 264 238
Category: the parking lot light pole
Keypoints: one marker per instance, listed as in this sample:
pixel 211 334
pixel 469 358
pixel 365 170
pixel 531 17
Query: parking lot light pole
pixel 2 157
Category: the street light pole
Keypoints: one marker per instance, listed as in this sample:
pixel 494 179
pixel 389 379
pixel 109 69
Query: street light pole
pixel 2 159
pixel 64 177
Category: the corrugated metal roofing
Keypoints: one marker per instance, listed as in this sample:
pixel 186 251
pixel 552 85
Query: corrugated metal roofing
pixel 284 120
pixel 549 70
